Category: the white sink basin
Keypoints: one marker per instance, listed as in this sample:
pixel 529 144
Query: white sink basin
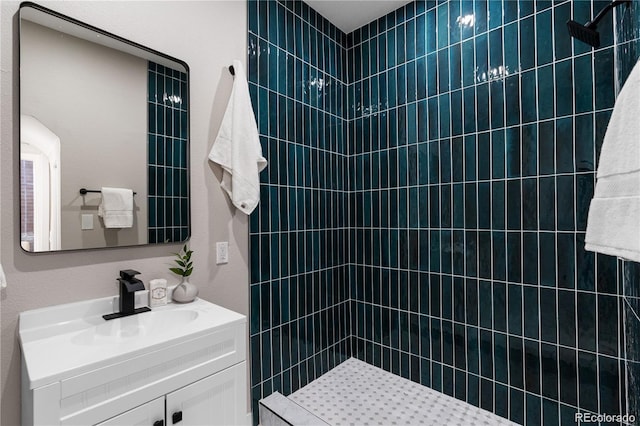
pixel 66 340
pixel 140 326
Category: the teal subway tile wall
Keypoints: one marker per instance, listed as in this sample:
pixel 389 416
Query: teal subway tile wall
pixel 299 307
pixel 426 199
pixel 167 155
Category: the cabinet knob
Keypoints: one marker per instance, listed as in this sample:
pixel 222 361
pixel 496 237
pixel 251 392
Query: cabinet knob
pixel 158 423
pixel 176 417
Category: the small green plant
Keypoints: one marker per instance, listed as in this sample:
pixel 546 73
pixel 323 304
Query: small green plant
pixel 183 259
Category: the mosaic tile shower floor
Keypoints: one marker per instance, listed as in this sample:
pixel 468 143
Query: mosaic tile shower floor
pixel 356 393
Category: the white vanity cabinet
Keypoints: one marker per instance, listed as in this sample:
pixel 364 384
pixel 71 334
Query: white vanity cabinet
pixel 179 364
pixel 215 400
pixel 151 413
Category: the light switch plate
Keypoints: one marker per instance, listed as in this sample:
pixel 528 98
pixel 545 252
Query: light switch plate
pixel 222 252
pixel 87 221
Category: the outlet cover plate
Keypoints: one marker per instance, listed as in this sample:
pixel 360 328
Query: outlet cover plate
pixel 222 252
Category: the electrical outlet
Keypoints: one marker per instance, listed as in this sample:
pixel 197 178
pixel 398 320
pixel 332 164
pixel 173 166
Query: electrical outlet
pixel 87 221
pixel 222 252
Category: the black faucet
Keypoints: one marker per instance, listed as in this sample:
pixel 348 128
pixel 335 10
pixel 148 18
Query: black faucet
pixel 128 287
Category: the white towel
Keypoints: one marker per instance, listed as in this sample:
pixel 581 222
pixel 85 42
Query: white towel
pixel 3 278
pixel 613 225
pixel 116 207
pixel 237 147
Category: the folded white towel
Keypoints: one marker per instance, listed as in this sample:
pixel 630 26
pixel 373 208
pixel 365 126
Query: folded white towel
pixel 116 207
pixel 3 278
pixel 613 225
pixel 237 147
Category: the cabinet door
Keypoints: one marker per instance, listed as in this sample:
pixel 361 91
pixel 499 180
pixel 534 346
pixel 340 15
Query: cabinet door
pixel 149 414
pixel 215 400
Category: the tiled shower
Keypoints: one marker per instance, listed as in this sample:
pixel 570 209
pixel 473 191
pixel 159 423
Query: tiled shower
pixel 425 204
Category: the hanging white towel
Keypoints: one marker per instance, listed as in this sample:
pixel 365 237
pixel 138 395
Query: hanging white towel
pixel 3 278
pixel 613 225
pixel 116 207
pixel 237 147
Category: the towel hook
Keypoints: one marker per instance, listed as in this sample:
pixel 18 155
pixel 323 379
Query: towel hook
pixel 232 70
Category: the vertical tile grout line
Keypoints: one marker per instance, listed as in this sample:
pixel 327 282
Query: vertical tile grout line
pixel 576 351
pixel 595 257
pixel 520 231
pixel 452 214
pixel 301 227
pixel 555 218
pixel 439 192
pixel 490 177
pixel 491 224
pixel 416 179
pixel 267 220
pixel 620 281
pixel 442 185
pixel 280 201
pixel 463 184
pixel 476 160
pixel 507 268
pixel 619 262
pixel 538 340
pixel 536 70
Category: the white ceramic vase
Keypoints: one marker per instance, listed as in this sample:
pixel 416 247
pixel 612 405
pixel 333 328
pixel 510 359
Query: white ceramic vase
pixel 185 292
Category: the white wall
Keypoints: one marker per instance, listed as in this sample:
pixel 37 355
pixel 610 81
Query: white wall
pixel 208 36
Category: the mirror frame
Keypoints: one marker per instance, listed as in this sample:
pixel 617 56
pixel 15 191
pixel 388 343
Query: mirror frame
pixel 133 45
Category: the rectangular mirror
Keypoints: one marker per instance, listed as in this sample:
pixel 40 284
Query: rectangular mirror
pixel 98 111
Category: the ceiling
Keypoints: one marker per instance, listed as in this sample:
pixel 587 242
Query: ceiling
pixel 349 15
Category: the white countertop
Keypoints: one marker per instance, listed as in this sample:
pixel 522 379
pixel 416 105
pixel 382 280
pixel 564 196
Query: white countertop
pixel 63 341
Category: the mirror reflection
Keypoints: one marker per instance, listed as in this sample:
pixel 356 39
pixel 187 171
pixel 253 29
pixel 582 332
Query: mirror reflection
pixel 103 138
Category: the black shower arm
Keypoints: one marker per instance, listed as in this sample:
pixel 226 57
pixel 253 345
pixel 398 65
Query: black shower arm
pixel 594 22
